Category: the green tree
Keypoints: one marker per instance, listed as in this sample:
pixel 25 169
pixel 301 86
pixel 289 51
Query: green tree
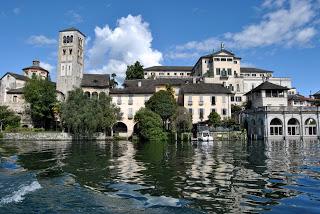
pixel 182 120
pixel 149 125
pixel 214 119
pixel 84 116
pixel 235 108
pixel 41 95
pixel 162 103
pixel 8 118
pixel 113 82
pixel 109 113
pixel 135 71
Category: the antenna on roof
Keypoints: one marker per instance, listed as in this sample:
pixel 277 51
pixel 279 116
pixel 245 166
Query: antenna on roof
pixel 212 50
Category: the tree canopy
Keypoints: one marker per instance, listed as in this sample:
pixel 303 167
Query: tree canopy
pixel 150 125
pixel 41 95
pixel 162 103
pixel 182 120
pixel 214 119
pixel 8 118
pixel 84 116
pixel 135 71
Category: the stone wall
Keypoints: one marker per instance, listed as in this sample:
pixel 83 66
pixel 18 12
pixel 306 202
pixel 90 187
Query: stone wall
pixel 51 136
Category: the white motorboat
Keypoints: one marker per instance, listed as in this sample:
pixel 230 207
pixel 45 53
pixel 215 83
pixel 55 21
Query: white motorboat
pixel 204 136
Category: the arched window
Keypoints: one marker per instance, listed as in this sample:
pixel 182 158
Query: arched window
pixel 71 39
pixel 87 93
pixel 68 38
pixel 275 127
pixel 64 39
pixel 70 51
pixel 95 95
pixel 64 51
pixel 310 127
pixel 293 127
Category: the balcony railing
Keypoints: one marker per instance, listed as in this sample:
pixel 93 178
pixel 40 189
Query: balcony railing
pixel 190 103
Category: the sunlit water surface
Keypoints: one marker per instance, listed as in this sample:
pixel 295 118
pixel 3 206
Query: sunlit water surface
pixel 123 177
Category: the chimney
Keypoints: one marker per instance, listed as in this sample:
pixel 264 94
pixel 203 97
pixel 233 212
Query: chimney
pixel 36 63
pixel 139 84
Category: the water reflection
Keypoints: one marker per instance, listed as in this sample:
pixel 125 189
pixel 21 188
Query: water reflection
pixel 218 177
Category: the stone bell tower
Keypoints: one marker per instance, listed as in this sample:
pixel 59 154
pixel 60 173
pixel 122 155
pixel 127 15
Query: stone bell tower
pixel 70 60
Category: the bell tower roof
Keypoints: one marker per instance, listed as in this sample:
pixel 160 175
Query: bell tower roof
pixel 72 29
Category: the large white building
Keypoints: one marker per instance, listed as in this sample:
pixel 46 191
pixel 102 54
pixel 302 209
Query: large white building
pixel 270 117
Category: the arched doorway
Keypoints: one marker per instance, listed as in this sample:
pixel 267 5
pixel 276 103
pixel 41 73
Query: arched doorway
pixel 310 127
pixel 276 127
pixel 293 127
pixel 120 128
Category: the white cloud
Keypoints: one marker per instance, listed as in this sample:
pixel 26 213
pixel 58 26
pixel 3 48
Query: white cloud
pixel 114 49
pixel 16 11
pixel 75 18
pixel 284 23
pixel 47 66
pixel 40 40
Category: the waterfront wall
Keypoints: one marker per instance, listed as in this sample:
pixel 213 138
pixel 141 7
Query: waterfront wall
pixel 51 136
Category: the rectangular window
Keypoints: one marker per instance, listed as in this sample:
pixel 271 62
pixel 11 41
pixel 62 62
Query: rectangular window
pixel 238 88
pixel 181 74
pixel 216 59
pixel 224 111
pixel 201 100
pixel 223 59
pixel 190 100
pixel 213 100
pixel 229 71
pixel 218 71
pixel 232 98
pixel 130 101
pixel 268 93
pixel 213 110
pixel 229 59
pixel 119 101
pixel 130 113
pixel 238 99
pixel 161 74
pixel 201 113
pixel 15 99
pixel 190 111
pixel 235 62
pixel 254 75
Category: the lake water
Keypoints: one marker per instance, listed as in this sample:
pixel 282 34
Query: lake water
pixel 123 177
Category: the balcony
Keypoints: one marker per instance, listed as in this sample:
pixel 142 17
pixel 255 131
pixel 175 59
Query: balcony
pixel 119 102
pixel 189 103
pixel 130 116
pixel 201 103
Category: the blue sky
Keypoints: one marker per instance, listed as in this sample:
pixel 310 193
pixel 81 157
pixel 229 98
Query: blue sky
pixel 279 35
